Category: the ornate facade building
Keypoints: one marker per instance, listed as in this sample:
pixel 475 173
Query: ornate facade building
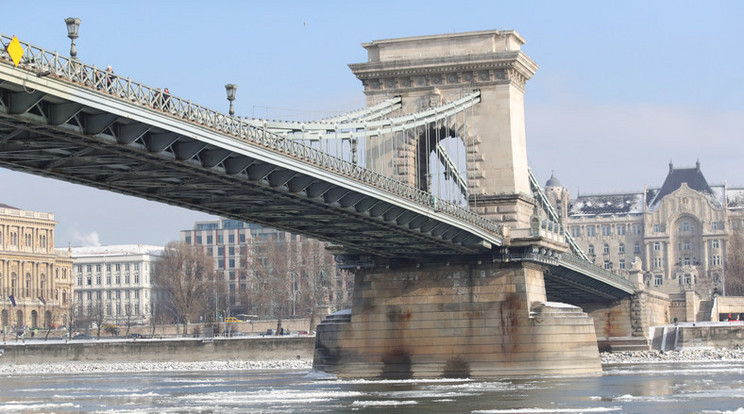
pixel 676 235
pixel 35 281
pixel 113 284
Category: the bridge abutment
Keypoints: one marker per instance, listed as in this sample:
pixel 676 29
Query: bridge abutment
pixel 456 320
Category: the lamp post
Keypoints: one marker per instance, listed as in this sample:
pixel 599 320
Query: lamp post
pixel 73 25
pixel 230 88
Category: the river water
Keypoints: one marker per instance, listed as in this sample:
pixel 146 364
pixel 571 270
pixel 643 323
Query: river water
pixel 690 387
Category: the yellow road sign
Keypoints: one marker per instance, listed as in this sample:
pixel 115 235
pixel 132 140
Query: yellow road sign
pixel 15 51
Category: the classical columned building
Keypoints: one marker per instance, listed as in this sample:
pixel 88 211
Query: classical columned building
pixel 35 280
pixel 113 283
pixel 676 234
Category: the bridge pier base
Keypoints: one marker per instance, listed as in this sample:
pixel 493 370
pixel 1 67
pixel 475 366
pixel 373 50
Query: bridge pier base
pixel 456 320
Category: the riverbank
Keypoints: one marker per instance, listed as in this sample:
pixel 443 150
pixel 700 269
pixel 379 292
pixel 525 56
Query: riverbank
pixel 686 355
pixel 91 367
pixel 80 367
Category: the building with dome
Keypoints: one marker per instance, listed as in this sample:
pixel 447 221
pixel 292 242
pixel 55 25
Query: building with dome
pixel 676 234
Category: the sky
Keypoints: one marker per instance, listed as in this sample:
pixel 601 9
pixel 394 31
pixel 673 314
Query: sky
pixel 622 88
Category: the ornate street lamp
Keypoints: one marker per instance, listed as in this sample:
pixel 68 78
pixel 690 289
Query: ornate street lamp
pixel 231 88
pixel 73 25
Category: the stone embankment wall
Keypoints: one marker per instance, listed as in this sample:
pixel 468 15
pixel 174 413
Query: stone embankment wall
pixel 185 349
pixel 717 335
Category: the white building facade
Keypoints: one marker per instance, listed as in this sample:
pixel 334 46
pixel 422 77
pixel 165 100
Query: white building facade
pixel 115 280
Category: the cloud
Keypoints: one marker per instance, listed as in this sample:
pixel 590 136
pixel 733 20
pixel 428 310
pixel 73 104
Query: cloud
pixel 85 240
pixel 603 148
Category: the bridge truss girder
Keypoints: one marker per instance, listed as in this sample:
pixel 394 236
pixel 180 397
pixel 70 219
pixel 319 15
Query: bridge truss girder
pixel 45 135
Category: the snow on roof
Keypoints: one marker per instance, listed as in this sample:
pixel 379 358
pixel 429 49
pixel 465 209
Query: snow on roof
pixel 619 204
pixel 115 250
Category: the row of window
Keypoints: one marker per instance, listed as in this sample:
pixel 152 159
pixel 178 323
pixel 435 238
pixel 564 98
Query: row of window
pixel 111 294
pixel 606 229
pixel 620 248
pixel 28 239
pixel 116 309
pixel 116 266
pixel 117 278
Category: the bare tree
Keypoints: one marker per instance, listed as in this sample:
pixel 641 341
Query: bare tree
pixel 275 266
pixel 186 276
pixel 734 265
pixel 97 315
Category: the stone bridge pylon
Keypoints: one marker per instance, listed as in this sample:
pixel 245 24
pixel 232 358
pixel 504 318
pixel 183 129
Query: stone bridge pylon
pixel 429 70
pixel 483 315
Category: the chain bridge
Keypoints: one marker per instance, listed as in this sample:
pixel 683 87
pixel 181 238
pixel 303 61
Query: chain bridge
pixel 433 172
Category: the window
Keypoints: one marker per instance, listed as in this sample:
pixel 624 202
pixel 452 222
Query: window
pixel 126 267
pixel 108 279
pixel 714 225
pixel 232 263
pixel 657 228
pixel 242 237
pixel 658 280
pixel 126 294
pixel 621 264
pixel 621 229
pixel 89 280
pixel 621 248
pixel 136 278
pixel 126 279
pixel 636 229
pixel 187 239
pixel 136 294
pixel 575 231
pixel 198 239
pixel 98 268
pixel 658 262
pixel 688 279
pixel 607 265
pixel 656 246
pixel 715 244
pixel 606 249
pixel 89 268
pixel 591 249
pixel 590 231
pixel 220 251
pixel 715 260
pixel 118 279
pixel 209 239
pixel 685 245
pixel 231 251
pixel 117 267
pixel 80 281
pixel 220 239
pixel 231 238
pixel 686 261
pixel 108 267
pixel 136 266
pixel 606 230
pixel 98 279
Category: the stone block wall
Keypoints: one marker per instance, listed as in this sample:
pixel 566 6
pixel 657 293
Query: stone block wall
pixel 456 321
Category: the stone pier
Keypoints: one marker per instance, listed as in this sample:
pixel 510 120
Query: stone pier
pixel 455 320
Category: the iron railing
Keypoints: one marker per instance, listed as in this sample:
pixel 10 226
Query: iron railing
pixel 46 63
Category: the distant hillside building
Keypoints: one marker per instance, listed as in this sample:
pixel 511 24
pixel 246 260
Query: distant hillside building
pixel 677 234
pixel 35 281
pixel 115 281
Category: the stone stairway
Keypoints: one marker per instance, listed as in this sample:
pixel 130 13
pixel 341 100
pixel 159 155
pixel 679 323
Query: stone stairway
pixel 703 315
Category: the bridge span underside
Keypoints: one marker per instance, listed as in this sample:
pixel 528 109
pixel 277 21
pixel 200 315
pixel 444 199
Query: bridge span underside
pixel 84 135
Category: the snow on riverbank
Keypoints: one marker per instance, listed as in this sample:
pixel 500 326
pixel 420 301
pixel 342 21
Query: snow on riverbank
pixel 81 367
pixel 686 355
